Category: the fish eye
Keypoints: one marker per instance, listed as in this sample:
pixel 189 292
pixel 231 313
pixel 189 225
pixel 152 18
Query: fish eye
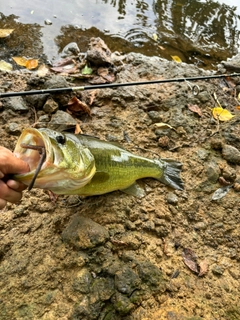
pixel 60 139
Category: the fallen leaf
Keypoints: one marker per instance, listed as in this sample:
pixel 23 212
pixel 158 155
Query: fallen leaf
pixel 42 70
pixel 238 96
pixel 161 47
pixel 155 36
pixel 92 96
pixel 27 63
pixel 220 192
pixel 203 266
pixel 87 70
pixel 66 65
pixel 176 59
pixel 195 108
pixel 98 80
pixel 21 61
pixel 78 129
pixel 32 64
pixel 237 107
pixel 102 71
pixel 190 259
pixel 76 106
pixel 163 125
pixel 5 32
pixel 222 114
pixel 5 66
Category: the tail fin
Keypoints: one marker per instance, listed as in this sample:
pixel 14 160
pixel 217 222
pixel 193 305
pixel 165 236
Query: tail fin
pixel 171 174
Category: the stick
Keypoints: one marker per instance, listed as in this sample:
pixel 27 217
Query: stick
pixel 113 85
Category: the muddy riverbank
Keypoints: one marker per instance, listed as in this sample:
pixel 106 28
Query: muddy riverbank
pixel 116 256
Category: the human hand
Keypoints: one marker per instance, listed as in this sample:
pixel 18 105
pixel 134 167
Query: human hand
pixel 10 190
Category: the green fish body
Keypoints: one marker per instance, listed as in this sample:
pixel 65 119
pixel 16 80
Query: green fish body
pixel 109 167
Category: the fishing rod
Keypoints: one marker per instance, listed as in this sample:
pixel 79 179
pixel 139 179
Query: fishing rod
pixel 113 85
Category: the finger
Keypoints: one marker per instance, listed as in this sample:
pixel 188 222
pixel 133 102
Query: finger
pixel 9 194
pixel 15 185
pixel 3 203
pixel 17 166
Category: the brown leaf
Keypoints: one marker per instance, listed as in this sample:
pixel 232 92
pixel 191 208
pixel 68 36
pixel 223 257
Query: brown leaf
pixel 195 108
pixel 102 71
pixel 190 259
pixel 66 65
pixel 76 106
pixel 203 266
pixel 78 129
pixel 98 80
pixel 92 96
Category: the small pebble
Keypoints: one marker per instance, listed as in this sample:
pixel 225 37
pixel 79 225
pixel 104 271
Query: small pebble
pixel 172 198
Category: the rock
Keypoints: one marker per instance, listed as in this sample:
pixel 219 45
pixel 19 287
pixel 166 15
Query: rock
pixel 172 198
pixel 14 128
pixel 70 49
pixel 17 104
pixel 155 116
pixel 62 121
pixel 37 100
pixel 83 281
pixel 126 280
pixel 50 106
pixel 231 154
pixel 98 52
pixel 122 303
pixel 217 270
pixel 213 171
pixel 152 276
pixel 84 233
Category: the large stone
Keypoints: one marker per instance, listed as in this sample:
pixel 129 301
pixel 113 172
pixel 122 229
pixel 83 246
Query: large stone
pixel 84 233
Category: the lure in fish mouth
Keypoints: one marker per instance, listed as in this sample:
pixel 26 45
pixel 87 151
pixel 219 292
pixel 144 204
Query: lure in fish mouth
pixel 57 161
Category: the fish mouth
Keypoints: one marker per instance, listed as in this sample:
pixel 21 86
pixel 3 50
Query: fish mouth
pixel 33 147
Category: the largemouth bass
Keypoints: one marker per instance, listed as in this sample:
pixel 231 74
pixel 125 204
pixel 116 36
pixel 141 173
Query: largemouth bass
pixel 78 164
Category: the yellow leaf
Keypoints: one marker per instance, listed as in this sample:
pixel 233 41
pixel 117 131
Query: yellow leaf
pixel 154 36
pixel 222 114
pixel 176 59
pixel 238 96
pixel 31 64
pixel 5 32
pixel 27 63
pixel 4 66
pixel 163 125
pixel 21 61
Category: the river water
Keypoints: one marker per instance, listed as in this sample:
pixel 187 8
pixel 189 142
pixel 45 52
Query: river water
pixel 199 32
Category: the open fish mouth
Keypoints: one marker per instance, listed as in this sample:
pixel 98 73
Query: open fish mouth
pixel 33 147
pixel 42 152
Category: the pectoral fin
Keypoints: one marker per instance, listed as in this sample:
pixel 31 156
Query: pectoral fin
pixel 135 190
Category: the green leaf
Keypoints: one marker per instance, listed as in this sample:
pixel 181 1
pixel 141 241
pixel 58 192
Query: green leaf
pixel 87 70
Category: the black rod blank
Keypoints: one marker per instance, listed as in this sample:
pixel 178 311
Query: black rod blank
pixel 113 85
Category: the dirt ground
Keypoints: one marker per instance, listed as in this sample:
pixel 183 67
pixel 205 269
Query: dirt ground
pixel 116 256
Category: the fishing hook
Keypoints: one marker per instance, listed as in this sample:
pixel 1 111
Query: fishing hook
pixel 42 153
